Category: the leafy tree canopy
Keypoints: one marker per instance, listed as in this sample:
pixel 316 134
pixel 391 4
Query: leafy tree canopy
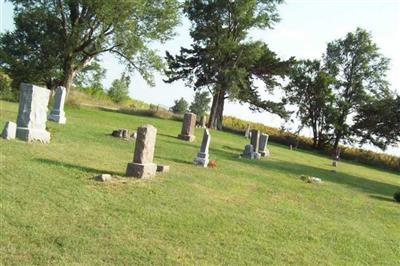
pixel 310 90
pixel 360 74
pixel 54 40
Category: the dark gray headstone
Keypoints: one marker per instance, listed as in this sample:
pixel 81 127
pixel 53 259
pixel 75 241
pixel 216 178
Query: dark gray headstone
pixel 58 114
pixel 255 138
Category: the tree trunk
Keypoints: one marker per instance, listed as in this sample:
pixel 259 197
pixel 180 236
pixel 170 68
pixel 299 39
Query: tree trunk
pixel 315 136
pixel 217 110
pixel 337 139
pixel 69 74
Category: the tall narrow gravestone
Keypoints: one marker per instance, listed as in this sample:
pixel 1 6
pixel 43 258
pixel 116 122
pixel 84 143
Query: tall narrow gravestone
pixel 32 113
pixel 247 132
pixel 262 149
pixel 189 123
pixel 142 165
pixel 202 155
pixel 58 114
pixel 255 139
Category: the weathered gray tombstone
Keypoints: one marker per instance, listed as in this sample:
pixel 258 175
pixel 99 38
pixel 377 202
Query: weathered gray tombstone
pixel 9 131
pixel 58 114
pixel 32 113
pixel 202 155
pixel 262 149
pixel 247 132
pixel 142 165
pixel 255 139
pixel 249 152
pixel 188 126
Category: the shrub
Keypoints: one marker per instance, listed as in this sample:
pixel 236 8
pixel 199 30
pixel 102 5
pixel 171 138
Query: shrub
pixel 6 91
pixel 396 196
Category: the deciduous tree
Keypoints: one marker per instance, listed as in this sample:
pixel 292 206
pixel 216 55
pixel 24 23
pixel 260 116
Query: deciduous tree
pixel 360 75
pixel 55 39
pixel 310 91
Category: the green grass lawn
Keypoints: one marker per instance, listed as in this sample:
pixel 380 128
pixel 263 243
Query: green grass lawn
pixel 242 212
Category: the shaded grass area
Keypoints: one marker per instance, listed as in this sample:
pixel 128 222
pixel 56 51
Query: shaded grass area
pixel 242 212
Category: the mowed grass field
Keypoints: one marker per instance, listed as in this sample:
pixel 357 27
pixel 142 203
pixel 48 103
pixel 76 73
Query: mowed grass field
pixel 242 212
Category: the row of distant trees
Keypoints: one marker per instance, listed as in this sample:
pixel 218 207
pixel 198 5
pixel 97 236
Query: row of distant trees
pixel 343 97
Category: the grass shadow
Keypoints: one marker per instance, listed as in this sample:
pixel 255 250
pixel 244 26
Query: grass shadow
pixel 173 160
pixel 168 136
pixel 236 150
pixel 383 198
pixel 76 167
pixel 356 182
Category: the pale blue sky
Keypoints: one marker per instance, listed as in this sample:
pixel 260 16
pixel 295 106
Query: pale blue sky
pixel 305 29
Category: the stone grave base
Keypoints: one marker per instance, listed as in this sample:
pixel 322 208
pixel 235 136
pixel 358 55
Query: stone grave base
pixel 201 159
pixel 189 138
pixel 253 155
pixel 264 153
pixel 162 168
pixel 57 118
pixel 141 170
pixel 29 134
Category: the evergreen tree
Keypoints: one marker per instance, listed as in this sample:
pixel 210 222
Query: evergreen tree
pixel 200 105
pixel 180 106
pixel 222 58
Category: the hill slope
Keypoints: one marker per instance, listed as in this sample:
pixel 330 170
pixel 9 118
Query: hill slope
pixel 242 212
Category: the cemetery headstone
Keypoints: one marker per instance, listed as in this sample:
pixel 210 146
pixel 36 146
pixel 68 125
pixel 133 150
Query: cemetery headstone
pixel 188 126
pixel 255 139
pixel 58 114
pixel 9 130
pixel 142 165
pixel 202 155
pixel 263 142
pixel 249 152
pixel 32 113
pixel 247 132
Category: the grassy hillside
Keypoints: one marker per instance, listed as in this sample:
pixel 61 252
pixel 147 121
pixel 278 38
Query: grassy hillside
pixel 242 212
